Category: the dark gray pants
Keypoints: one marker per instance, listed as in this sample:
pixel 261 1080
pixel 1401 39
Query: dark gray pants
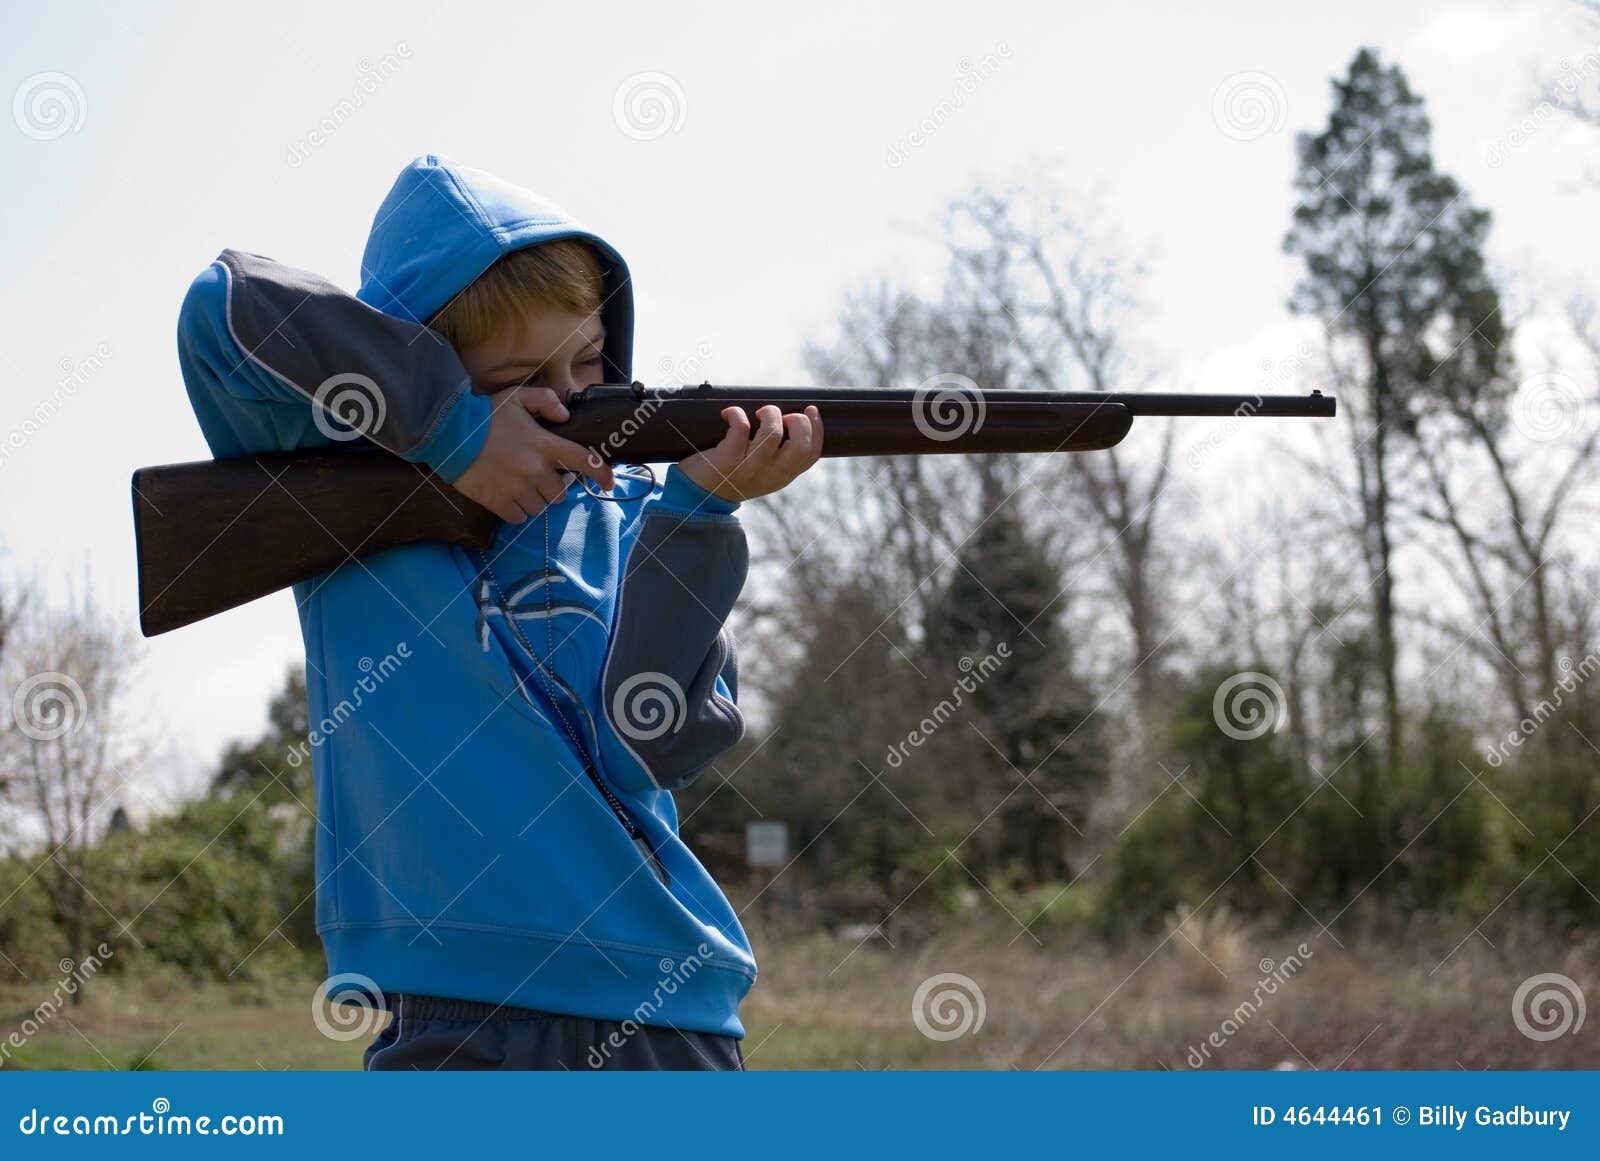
pixel 427 1033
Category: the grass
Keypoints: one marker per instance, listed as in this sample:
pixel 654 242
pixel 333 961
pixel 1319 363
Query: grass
pixel 1062 1001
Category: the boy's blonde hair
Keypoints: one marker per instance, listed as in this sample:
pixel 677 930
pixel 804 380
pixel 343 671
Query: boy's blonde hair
pixel 564 275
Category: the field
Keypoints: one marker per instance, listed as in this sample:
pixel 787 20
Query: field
pixel 831 1001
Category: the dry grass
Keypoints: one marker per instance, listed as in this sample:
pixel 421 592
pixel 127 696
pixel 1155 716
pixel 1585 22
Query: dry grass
pixel 1067 1002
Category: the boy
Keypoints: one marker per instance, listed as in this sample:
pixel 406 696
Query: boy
pixel 497 845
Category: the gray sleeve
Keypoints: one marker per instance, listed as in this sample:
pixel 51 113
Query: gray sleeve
pixel 671 676
pixel 366 372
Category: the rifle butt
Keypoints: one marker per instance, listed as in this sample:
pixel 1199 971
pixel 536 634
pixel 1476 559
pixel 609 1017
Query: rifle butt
pixel 216 534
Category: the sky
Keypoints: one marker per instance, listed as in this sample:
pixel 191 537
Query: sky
pixel 752 166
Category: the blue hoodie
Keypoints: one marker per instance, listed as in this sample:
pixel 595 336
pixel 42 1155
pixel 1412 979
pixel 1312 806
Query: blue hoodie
pixel 495 735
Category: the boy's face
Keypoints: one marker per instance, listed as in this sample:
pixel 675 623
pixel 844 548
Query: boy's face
pixel 554 349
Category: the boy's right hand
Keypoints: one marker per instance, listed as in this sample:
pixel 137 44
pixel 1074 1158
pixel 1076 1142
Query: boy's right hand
pixel 518 472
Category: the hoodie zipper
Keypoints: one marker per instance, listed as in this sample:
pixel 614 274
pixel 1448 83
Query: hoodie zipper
pixel 623 816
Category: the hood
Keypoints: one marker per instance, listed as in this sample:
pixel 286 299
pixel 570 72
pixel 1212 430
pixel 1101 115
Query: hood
pixel 444 224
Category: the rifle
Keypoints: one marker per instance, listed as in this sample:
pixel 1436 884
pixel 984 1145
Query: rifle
pixel 215 534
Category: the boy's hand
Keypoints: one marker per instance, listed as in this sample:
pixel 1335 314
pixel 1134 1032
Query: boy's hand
pixel 744 466
pixel 518 472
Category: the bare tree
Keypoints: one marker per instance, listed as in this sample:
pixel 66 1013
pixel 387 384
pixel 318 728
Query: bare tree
pixel 1061 299
pixel 1507 473
pixel 66 748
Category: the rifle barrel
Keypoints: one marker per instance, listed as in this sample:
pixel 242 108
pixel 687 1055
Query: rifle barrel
pixel 1153 403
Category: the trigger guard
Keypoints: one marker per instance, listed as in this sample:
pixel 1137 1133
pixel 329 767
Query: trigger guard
pixel 649 475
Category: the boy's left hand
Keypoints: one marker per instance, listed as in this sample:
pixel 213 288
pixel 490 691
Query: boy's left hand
pixel 746 465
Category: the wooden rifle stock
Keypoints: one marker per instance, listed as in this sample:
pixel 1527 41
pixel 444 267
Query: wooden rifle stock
pixel 215 534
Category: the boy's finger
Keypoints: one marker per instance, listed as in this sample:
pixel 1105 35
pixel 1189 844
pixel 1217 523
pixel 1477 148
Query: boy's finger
pixel 769 431
pixel 581 459
pixel 738 433
pixel 529 502
pixel 797 437
pixel 551 486
pixel 816 429
pixel 508 510
pixel 541 403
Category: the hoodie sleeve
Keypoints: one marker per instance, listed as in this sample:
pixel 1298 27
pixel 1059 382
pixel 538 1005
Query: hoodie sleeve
pixel 671 676
pixel 277 359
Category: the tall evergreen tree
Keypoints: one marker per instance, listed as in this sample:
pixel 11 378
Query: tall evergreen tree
pixel 1394 268
pixel 1042 737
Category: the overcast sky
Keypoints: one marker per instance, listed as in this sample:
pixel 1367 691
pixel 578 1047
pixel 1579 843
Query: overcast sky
pixel 752 168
